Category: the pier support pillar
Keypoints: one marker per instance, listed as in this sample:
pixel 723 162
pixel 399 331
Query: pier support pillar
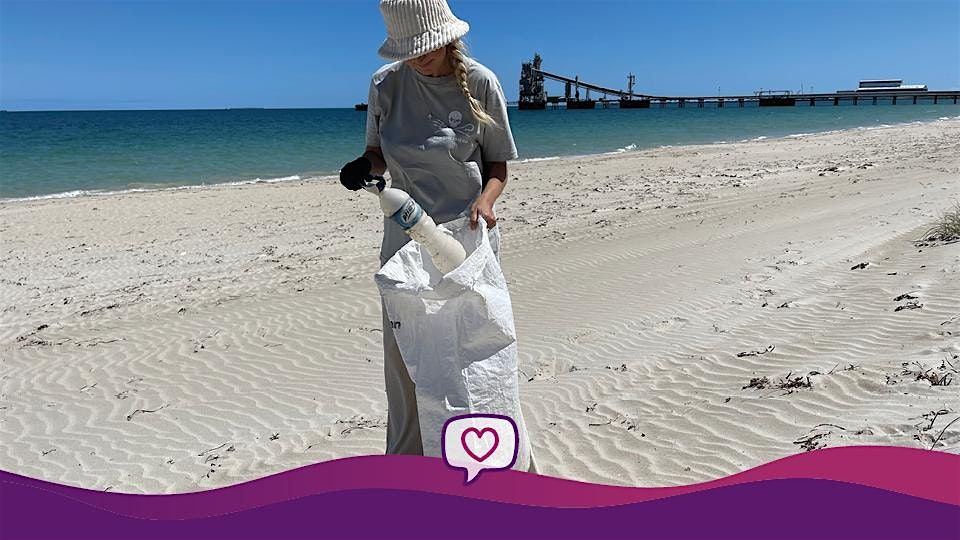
pixel 663 103
pixel 874 100
pixel 719 104
pixel 836 101
pixel 854 100
pixel 895 100
pixel 740 102
pixel 699 103
pixel 681 102
pixel 812 102
pixel 935 99
pixel 914 100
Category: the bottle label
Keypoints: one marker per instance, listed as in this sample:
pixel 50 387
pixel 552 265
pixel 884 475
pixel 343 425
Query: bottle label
pixel 408 215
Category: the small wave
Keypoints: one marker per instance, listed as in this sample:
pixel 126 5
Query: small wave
pixel 262 181
pixel 64 195
pixel 801 135
pixel 627 148
pixel 531 160
pixel 144 188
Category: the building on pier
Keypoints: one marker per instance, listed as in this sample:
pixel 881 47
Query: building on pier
pixel 532 93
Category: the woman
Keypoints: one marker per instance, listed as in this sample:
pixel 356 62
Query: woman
pixel 437 120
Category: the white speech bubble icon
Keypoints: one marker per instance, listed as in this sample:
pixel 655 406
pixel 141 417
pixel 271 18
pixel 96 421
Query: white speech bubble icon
pixel 477 442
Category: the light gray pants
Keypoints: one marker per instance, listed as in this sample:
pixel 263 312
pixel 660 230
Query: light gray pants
pixel 403 423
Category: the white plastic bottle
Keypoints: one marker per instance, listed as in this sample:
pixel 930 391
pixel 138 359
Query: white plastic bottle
pixel 399 206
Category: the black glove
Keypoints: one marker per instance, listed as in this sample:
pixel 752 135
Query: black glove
pixel 353 175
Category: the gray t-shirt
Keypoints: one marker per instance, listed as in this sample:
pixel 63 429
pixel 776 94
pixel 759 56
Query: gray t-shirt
pixel 433 145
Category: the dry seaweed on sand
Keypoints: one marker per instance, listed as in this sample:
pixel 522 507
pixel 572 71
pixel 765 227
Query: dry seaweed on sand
pixel 909 305
pixel 942 431
pixel 758 382
pixel 769 348
pixel 788 382
pixel 817 437
pixel 939 376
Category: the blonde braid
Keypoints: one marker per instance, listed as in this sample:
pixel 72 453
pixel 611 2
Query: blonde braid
pixel 458 60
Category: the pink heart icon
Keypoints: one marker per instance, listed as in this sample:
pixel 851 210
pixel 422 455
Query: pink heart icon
pixel 479 435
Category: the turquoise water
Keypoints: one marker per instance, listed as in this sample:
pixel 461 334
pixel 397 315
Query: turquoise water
pixel 72 152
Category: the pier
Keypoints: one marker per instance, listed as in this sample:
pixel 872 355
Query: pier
pixel 533 95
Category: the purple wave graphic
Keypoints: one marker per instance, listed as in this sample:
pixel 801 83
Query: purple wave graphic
pixel 796 508
pixel 918 473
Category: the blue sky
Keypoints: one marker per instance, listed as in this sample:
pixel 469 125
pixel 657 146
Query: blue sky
pixel 132 54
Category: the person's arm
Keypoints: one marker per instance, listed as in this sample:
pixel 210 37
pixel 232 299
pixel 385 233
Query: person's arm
pixel 353 174
pixel 496 142
pixel 495 173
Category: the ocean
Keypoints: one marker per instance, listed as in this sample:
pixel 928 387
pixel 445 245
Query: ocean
pixel 74 153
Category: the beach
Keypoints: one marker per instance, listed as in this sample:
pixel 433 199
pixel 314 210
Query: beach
pixel 683 314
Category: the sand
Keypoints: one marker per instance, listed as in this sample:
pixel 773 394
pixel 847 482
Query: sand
pixel 683 314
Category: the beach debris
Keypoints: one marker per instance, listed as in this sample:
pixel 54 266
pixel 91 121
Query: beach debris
pixel 817 437
pixel 942 431
pixel 860 266
pixel 275 436
pixel 93 342
pixel 230 448
pixel 945 363
pixel 932 418
pixel 627 422
pixel 865 165
pixel 102 308
pixel 904 296
pixel 621 368
pixel 757 382
pixel 812 441
pixel 850 367
pixel 939 376
pixel 30 339
pixel 145 411
pixel 909 305
pixel 769 348
pixel 788 382
pixel 200 342
pixel 792 383
pixel 359 421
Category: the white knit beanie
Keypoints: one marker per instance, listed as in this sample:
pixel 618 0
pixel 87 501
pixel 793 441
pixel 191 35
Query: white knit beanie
pixel 416 27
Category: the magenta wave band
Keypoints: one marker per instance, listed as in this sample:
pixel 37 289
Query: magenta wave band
pixel 919 473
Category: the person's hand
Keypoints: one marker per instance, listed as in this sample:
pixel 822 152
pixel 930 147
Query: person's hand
pixel 353 175
pixel 482 208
